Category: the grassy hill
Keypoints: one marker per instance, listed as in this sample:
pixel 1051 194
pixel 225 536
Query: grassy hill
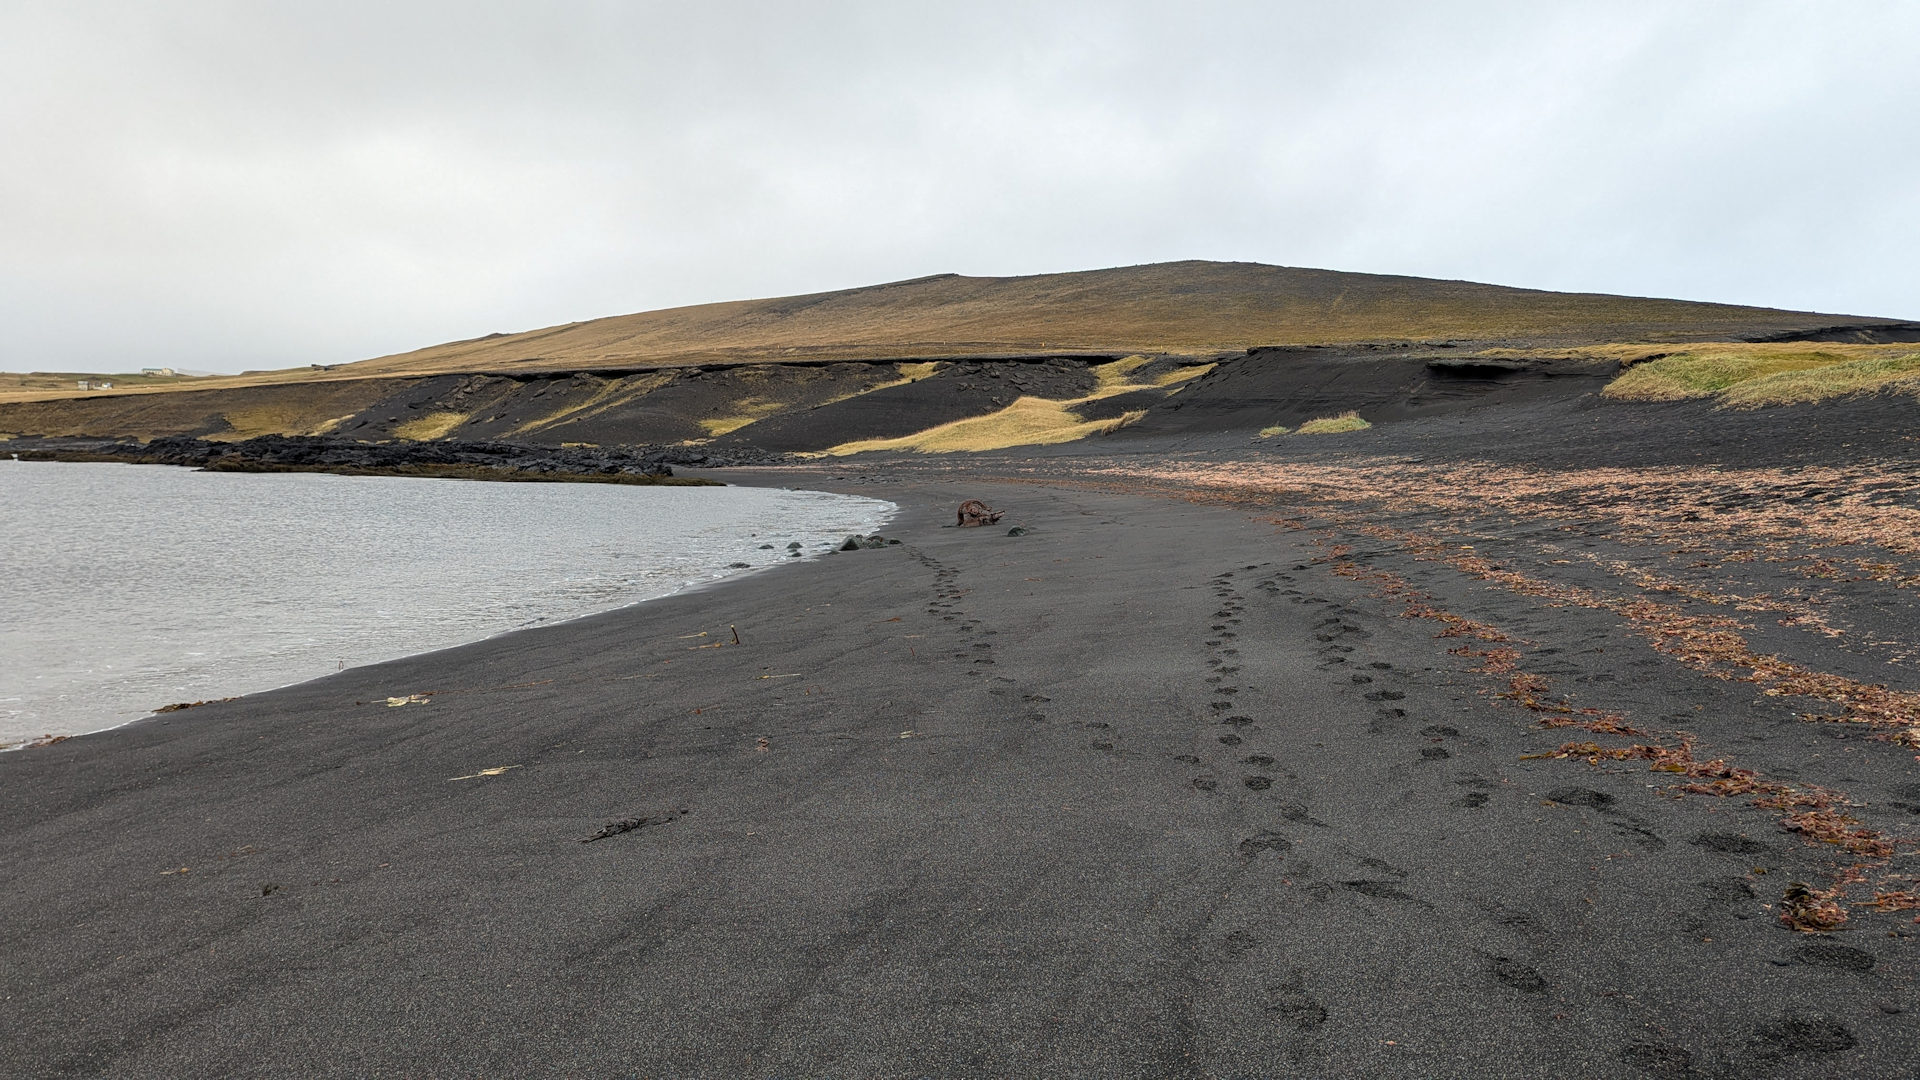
pixel 1190 308
pixel 1182 308
pixel 954 362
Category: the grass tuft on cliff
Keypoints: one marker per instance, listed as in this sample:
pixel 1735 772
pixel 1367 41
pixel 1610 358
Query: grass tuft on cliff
pixel 1748 375
pixel 1327 425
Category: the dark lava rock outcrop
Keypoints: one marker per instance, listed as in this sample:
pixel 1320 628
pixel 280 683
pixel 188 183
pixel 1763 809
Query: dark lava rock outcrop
pixel 321 453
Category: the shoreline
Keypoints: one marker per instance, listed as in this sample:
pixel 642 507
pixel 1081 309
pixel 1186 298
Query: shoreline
pixel 676 586
pixel 964 805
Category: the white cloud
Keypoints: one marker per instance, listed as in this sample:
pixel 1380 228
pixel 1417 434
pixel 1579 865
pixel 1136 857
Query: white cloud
pixel 227 185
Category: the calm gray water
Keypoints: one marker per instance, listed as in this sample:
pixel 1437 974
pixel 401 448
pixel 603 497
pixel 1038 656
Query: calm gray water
pixel 128 587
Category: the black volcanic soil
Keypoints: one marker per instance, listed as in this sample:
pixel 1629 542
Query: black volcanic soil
pixel 817 406
pixel 1471 745
pixel 1293 385
pixel 957 391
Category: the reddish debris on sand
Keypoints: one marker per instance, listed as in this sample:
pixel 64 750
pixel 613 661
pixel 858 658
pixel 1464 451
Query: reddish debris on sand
pixel 1897 900
pixel 1811 910
pixel 974 512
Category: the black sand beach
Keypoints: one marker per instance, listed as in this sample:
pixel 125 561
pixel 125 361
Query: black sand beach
pixel 1235 764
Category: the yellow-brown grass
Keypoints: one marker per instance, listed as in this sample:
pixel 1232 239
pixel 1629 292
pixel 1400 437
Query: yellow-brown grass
pixel 1118 375
pixel 1327 425
pixel 1182 374
pixel 431 426
pixel 1866 375
pixel 750 409
pixel 1029 421
pixel 1743 374
pixel 30 386
pixel 611 394
pixel 39 386
pixel 271 418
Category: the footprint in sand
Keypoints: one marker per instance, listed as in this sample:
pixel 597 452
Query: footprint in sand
pixel 1291 1004
pixel 1517 975
pixel 1725 843
pixel 1639 836
pixel 1257 844
pixel 1587 797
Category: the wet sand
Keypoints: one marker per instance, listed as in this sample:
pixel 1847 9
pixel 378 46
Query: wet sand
pixel 1202 776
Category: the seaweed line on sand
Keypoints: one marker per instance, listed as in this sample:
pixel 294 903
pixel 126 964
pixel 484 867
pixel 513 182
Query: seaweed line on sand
pixel 1813 812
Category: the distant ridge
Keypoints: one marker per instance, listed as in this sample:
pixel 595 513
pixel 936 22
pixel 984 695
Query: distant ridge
pixel 1190 308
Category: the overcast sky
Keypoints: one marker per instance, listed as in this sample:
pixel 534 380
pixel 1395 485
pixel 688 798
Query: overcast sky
pixel 252 184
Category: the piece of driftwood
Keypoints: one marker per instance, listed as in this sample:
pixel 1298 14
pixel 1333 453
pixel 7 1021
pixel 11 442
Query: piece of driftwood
pixel 974 512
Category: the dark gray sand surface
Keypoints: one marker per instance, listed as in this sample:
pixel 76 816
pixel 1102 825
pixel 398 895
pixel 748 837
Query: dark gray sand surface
pixel 1160 788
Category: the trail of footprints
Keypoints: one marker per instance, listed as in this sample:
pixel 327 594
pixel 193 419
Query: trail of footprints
pixel 1339 649
pixel 969 633
pixel 1243 764
pixel 1334 635
pixel 945 606
pixel 1251 766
